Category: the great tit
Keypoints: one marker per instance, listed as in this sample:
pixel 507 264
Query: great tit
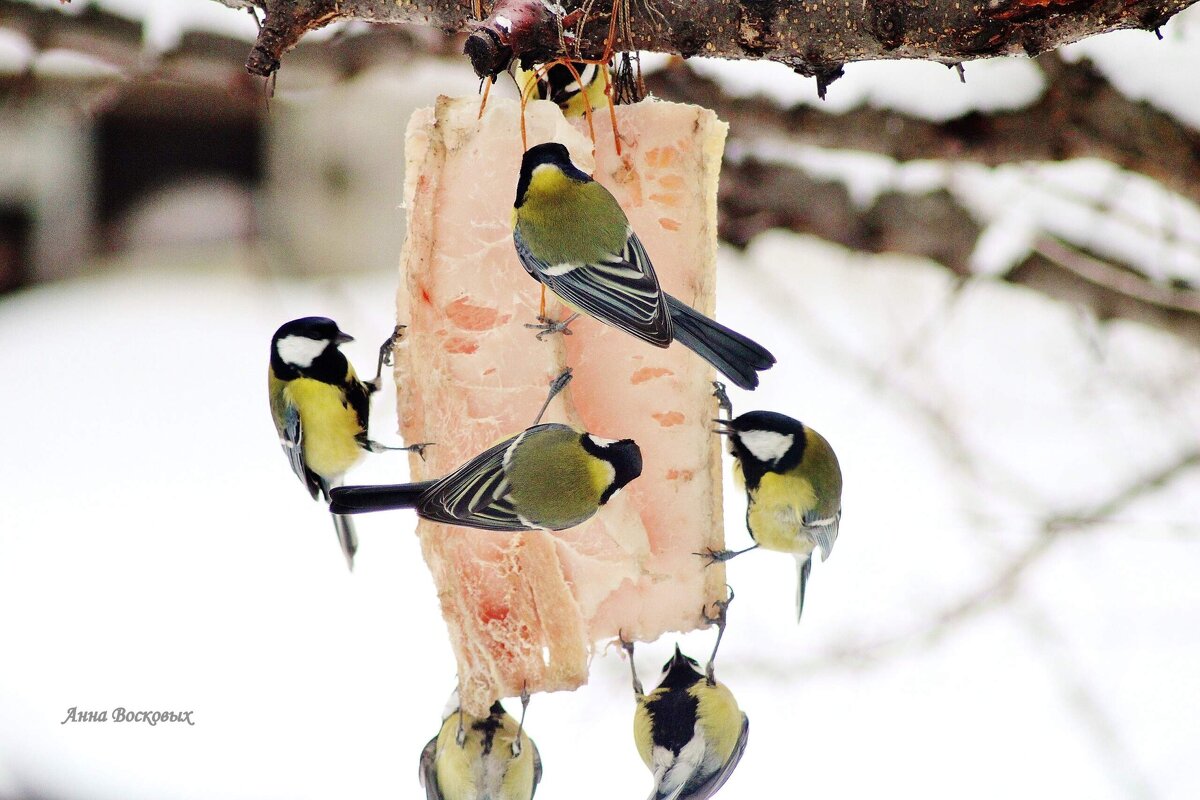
pixel 573 237
pixel 559 86
pixel 473 758
pixel 549 477
pixel 793 488
pixel 689 731
pixel 321 408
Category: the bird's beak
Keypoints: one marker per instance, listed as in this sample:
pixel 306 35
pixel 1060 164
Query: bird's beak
pixel 679 658
pixel 724 431
pixel 343 338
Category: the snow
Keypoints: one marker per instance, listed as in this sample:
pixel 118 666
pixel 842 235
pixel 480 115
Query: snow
pixel 16 51
pixel 1162 73
pixel 73 64
pixel 1088 202
pixel 922 88
pixel 158 554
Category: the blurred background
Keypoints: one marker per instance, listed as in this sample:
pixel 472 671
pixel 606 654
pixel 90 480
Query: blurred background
pixel 983 293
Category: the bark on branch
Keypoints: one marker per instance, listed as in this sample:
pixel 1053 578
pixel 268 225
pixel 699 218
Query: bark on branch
pixel 814 37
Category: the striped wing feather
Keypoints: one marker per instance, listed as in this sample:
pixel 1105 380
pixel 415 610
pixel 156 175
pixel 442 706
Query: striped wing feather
pixel 477 493
pixel 622 291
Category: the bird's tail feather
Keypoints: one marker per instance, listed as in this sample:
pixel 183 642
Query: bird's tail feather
pixel 735 356
pixel 361 499
pixel 347 538
pixel 803 567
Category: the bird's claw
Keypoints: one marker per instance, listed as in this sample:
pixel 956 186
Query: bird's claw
pixel 626 644
pixel 419 448
pixel 722 607
pixel 723 402
pixel 560 383
pixel 386 349
pixel 547 327
pixel 715 556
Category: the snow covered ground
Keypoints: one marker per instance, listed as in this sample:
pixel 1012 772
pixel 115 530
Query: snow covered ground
pixel 157 554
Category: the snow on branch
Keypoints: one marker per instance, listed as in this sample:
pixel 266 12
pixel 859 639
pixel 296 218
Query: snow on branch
pixel 1080 115
pixel 815 37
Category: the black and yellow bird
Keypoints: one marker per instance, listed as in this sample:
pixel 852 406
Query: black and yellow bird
pixel 559 85
pixel 321 409
pixel 793 488
pixel 689 731
pixel 549 477
pixel 480 758
pixel 572 236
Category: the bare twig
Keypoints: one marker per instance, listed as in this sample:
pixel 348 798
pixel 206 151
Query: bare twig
pixel 1005 580
pixel 1117 279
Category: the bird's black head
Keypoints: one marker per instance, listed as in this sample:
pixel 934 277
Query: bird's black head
pixel 559 84
pixel 550 154
pixel 624 455
pixel 764 441
pixel 308 347
pixel 680 670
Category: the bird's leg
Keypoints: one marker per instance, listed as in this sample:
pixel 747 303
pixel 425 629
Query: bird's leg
pixel 605 58
pixel 516 746
pixel 371 446
pixel 722 607
pixel 487 88
pixel 723 403
pixel 385 357
pixel 556 386
pixel 546 327
pixel 714 556
pixel 628 647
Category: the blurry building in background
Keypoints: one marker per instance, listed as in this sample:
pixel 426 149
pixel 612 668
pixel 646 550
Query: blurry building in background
pixel 101 154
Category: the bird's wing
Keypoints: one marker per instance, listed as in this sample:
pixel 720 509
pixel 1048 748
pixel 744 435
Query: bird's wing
pixel 292 440
pixel 359 397
pixel 477 494
pixel 823 531
pixel 537 769
pixel 709 786
pixel 427 772
pixel 622 290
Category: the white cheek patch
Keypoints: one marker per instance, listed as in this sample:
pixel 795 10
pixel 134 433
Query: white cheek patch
pixel 766 445
pixel 596 440
pixel 300 351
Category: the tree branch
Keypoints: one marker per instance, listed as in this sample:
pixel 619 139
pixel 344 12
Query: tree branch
pixel 1081 114
pixel 813 38
pixel 756 197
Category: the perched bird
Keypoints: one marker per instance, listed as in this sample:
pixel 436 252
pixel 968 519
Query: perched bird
pixel 689 731
pixel 321 408
pixel 558 85
pixel 549 476
pixel 793 488
pixel 573 237
pixel 473 758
